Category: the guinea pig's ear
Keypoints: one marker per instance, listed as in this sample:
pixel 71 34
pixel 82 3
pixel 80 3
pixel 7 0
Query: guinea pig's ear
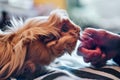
pixel 57 16
pixel 48 38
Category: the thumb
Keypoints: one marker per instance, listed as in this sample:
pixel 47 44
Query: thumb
pixel 88 53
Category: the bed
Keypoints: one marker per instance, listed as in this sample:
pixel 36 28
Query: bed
pixel 72 67
pixel 67 68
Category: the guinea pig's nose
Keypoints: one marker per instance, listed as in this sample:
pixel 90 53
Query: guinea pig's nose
pixel 75 34
pixel 77 29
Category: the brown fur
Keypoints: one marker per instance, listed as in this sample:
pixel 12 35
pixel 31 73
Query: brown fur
pixel 37 43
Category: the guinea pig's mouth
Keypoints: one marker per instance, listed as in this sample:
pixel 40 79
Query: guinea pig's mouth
pixel 70 47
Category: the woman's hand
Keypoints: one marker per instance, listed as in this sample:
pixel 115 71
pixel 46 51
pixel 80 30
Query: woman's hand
pixel 98 45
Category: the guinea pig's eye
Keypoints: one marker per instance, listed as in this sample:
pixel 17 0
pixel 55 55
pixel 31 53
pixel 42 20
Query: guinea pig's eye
pixel 64 28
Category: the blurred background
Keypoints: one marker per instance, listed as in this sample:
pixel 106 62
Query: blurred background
pixel 86 13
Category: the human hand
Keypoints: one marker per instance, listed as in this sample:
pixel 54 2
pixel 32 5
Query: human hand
pixel 98 45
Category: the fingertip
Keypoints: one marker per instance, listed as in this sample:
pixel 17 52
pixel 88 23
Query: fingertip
pixel 90 29
pixel 98 50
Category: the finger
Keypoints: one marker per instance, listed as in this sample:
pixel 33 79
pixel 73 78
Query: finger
pixel 90 30
pixel 85 36
pixel 84 52
pixel 93 57
pixel 97 56
pixel 90 53
pixel 96 60
pixel 97 52
pixel 98 64
pixel 99 61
